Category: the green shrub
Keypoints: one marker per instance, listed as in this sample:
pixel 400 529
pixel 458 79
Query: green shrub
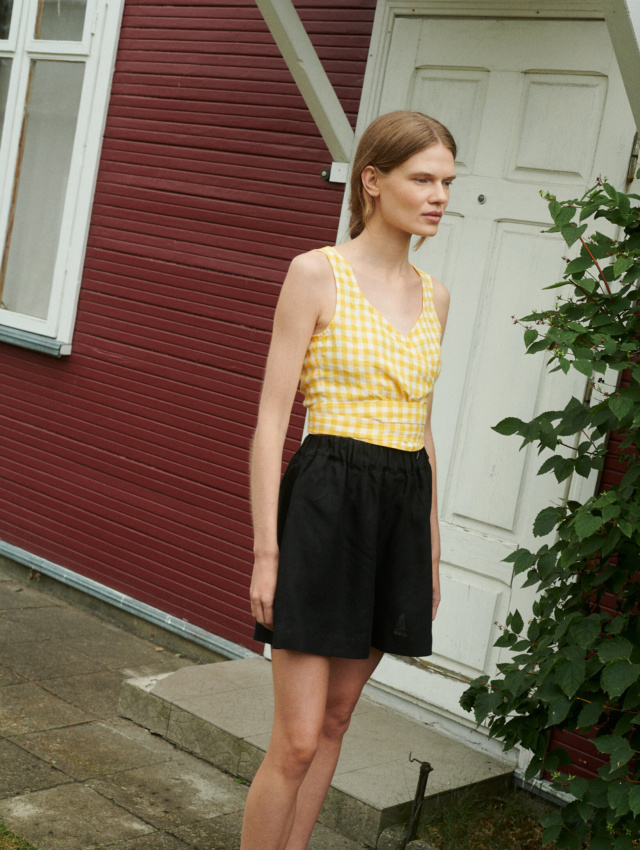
pixel 576 665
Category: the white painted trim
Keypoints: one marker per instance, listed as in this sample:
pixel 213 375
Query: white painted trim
pixel 85 175
pixel 623 22
pixel 125 603
pixel 543 788
pixel 302 60
pixel 98 49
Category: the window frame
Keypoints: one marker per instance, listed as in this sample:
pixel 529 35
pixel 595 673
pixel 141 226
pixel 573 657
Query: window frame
pixel 97 51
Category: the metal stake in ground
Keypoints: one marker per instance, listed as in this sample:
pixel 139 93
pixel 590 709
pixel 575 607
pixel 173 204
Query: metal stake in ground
pixel 416 809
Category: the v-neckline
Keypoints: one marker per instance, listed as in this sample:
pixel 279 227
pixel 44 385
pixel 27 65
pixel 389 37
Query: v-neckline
pixel 377 312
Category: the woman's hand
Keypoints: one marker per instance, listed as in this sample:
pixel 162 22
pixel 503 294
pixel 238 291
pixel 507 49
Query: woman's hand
pixel 263 588
pixel 435 596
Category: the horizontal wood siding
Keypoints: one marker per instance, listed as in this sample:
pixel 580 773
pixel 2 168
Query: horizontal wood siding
pixel 127 462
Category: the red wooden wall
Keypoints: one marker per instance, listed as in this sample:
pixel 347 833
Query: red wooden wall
pixel 127 462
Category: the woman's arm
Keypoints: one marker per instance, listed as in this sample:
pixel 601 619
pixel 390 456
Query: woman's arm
pixel 441 304
pixel 306 298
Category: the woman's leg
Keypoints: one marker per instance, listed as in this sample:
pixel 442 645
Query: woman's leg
pixel 300 684
pixel 347 678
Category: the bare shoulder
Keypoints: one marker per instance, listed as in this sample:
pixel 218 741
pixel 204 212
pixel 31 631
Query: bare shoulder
pixel 441 299
pixel 440 292
pixel 311 267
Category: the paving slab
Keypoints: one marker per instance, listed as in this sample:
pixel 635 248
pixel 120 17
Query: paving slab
pixel 88 750
pixel 153 841
pixel 223 833
pixel 222 713
pixel 16 595
pixel 175 793
pixel 58 619
pixel 96 693
pixel 29 708
pixel 10 677
pixel 21 771
pixel 14 629
pixel 69 817
pixel 115 648
pixel 48 659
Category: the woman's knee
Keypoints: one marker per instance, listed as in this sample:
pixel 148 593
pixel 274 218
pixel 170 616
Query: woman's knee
pixel 294 753
pixel 337 719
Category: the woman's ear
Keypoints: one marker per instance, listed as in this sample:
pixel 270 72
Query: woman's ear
pixel 369 179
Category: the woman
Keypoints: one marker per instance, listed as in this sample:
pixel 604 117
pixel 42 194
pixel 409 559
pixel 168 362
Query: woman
pixel 346 565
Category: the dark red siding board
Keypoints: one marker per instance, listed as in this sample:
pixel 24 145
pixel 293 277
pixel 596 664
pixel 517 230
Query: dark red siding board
pixel 128 461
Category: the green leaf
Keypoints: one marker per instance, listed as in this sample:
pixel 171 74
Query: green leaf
pixel 585 631
pixel 580 264
pixel 508 426
pixel 585 367
pixel 564 216
pixel 514 621
pixel 587 524
pixel 618 797
pixel 590 714
pixel 614 648
pixel 546 521
pixel 634 800
pixel 622 264
pixel 618 676
pixel 558 711
pixel 617 747
pixel 570 675
pixel 485 704
pixel 571 233
pixel 530 335
pixel 621 405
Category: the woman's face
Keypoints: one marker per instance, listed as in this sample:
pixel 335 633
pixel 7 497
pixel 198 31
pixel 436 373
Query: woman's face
pixel 414 195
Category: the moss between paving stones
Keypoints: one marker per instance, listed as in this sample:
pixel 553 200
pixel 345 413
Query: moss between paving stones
pixel 10 841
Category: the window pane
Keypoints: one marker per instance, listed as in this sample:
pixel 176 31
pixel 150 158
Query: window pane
pixel 6 7
pixel 41 183
pixel 60 20
pixel 5 73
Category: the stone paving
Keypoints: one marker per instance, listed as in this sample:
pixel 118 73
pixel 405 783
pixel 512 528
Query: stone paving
pixel 73 774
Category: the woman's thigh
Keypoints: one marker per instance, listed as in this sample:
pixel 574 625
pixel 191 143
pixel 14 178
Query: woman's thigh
pixel 300 687
pixel 347 678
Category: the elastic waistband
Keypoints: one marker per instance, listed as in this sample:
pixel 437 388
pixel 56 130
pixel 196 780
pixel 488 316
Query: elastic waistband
pixel 359 453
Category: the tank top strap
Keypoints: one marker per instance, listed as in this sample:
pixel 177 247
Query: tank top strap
pixel 341 269
pixel 429 314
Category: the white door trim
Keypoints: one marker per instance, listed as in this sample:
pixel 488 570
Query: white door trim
pixel 623 22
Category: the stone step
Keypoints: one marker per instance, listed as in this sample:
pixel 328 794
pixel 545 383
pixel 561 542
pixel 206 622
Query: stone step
pixel 222 712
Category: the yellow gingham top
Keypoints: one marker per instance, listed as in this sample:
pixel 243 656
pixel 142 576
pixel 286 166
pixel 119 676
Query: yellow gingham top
pixel 362 378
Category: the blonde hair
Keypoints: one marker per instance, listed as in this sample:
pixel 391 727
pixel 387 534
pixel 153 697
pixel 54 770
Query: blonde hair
pixel 386 143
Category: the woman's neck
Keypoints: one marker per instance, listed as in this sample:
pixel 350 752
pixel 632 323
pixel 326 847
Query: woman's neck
pixel 388 252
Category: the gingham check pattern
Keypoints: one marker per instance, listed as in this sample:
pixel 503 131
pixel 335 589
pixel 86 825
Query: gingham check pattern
pixel 361 378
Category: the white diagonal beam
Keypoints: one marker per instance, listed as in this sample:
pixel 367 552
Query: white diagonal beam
pixel 302 60
pixel 623 22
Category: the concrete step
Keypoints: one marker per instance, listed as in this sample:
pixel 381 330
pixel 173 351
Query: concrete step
pixel 222 712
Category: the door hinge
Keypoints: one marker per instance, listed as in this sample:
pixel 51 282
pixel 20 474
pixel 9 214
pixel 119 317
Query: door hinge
pixel 633 160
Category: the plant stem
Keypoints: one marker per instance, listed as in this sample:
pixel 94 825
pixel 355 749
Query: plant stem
pixel 604 280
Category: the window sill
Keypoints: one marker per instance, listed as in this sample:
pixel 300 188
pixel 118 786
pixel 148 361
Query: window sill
pixel 35 342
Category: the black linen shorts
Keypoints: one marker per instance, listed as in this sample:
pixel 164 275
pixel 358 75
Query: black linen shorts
pixel 354 568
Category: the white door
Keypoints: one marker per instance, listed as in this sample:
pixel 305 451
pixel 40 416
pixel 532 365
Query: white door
pixel 534 105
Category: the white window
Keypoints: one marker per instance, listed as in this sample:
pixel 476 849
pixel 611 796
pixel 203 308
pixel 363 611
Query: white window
pixel 56 64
